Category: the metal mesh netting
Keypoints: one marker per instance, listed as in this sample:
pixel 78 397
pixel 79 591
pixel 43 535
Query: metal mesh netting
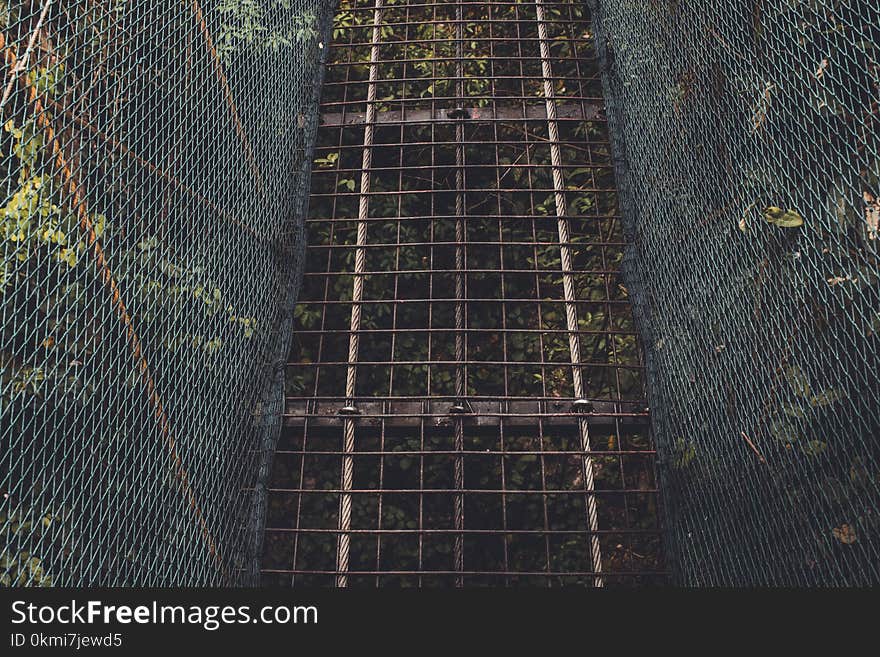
pixel 154 156
pixel 735 123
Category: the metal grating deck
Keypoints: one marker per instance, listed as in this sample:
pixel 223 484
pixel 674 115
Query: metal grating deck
pixel 465 393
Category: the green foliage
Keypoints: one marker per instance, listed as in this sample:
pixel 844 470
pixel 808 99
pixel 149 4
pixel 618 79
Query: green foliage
pixel 684 452
pixel 243 28
pixel 48 80
pixel 798 419
pixel 34 220
pixel 21 567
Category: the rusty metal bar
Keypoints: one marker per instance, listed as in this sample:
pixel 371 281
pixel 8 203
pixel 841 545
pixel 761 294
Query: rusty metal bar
pixel 471 114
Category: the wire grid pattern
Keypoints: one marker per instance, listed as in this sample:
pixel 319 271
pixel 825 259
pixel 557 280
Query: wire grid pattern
pixel 434 435
pixel 155 158
pixel 761 340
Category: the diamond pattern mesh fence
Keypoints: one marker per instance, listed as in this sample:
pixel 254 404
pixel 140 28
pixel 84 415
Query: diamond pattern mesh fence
pixel 155 157
pixel 747 155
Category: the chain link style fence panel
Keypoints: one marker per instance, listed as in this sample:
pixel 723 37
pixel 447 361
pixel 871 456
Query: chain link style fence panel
pixel 747 154
pixel 155 161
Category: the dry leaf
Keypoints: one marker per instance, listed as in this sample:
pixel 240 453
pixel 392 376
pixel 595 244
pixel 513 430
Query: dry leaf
pixel 763 107
pixel 845 534
pixel 872 215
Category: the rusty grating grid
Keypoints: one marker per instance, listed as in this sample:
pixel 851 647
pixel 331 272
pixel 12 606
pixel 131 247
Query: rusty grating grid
pixel 465 392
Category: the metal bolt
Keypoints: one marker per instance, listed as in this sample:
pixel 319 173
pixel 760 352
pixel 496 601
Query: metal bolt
pixel 460 408
pixel 582 406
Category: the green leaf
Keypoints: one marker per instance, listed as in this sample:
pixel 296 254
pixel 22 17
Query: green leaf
pixel 826 397
pixel 793 411
pixel 783 431
pixel 814 447
pixel 685 452
pixel 783 218
pixel 798 381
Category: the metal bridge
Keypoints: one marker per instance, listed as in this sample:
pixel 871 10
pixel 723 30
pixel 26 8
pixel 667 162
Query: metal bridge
pixel 465 395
